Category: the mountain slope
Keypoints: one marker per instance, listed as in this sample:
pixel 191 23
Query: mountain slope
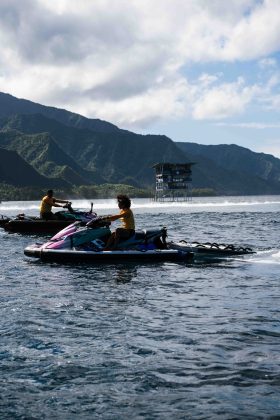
pixel 116 157
pixel 43 153
pixel 237 169
pixel 10 105
pixel 15 171
pixel 238 160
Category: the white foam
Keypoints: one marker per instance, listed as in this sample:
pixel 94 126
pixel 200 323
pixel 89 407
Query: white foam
pixel 200 203
pixel 266 257
pixel 18 207
pixel 197 203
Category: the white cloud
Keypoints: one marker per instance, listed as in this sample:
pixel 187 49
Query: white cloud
pixel 272 101
pixel 123 61
pixel 141 111
pixel 224 100
pixel 266 63
pixel 270 146
pixel 256 34
pixel 253 125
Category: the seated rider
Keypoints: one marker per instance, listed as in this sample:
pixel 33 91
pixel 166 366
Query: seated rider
pixel 128 225
pixel 47 203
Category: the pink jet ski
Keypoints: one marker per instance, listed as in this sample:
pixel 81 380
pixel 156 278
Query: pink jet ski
pixel 78 243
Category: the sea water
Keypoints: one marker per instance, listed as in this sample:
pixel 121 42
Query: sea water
pixel 146 341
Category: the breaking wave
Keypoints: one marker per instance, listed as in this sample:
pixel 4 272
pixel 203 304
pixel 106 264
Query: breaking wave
pixel 196 204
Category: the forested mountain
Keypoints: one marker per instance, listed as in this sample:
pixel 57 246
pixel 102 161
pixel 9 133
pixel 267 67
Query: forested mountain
pixel 236 158
pixel 263 169
pixel 44 154
pixel 69 149
pixel 119 157
pixel 9 105
pixel 15 171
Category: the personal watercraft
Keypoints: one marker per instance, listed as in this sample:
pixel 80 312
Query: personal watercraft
pixel 4 220
pixel 29 224
pixel 86 243
pixel 80 242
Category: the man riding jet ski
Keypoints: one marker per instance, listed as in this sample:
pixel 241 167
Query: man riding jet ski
pixel 128 225
pixel 29 224
pixel 80 242
pixel 48 202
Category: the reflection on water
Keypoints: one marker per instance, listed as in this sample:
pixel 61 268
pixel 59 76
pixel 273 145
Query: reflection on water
pixel 125 274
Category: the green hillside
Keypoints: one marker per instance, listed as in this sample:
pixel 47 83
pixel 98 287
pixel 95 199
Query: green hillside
pixel 15 171
pixel 9 105
pixel 73 151
pixel 44 154
pixel 120 157
pixel 258 172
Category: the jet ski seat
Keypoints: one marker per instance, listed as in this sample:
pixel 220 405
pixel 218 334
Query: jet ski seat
pixel 144 234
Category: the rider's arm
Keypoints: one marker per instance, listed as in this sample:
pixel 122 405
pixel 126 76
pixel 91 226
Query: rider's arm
pixel 125 213
pixel 57 205
pixel 60 201
pixel 113 217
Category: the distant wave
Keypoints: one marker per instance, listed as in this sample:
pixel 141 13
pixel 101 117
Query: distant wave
pixel 193 204
pixel 18 207
pixel 196 203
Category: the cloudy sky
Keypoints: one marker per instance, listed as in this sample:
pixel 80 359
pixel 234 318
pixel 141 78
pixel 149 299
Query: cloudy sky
pixel 205 71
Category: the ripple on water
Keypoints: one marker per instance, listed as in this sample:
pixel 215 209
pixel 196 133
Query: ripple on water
pixel 155 341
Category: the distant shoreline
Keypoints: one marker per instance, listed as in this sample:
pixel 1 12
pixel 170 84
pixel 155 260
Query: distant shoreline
pixel 88 192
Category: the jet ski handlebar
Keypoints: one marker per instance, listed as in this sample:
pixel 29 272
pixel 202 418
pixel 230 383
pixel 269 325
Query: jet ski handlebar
pixel 99 222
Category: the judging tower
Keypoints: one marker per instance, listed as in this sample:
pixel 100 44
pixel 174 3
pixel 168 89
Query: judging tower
pixel 173 181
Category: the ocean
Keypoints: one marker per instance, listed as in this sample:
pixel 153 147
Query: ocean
pixel 146 341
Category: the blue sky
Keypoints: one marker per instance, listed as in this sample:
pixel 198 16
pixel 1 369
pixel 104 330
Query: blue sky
pixel 205 71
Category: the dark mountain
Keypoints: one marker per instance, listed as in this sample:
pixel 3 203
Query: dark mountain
pixel 15 171
pixel 241 162
pixel 9 105
pixel 237 158
pixel 118 157
pixel 43 153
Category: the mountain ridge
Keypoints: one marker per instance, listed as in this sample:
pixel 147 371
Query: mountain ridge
pixel 10 105
pixel 58 143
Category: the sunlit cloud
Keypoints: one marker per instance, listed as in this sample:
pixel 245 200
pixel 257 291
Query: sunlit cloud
pixel 125 61
pixel 253 125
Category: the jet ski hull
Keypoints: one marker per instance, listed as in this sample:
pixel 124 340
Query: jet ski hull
pixel 28 224
pixel 4 220
pixel 76 255
pixel 211 251
pixel 36 226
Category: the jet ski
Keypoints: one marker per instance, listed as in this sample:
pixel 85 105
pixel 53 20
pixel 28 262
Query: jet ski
pixel 207 251
pixel 80 243
pixel 4 220
pixel 29 224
